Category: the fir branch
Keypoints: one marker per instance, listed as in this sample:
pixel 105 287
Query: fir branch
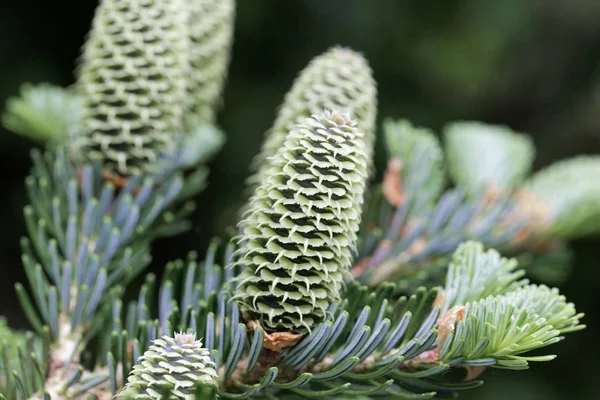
pixel 420 173
pixel 492 322
pixel 22 360
pixel 474 274
pixel 89 228
pixel 373 345
pixel 367 337
pixel 413 238
pixel 491 332
pixel 398 242
pixel 483 157
pixel 21 356
pixel 43 112
pixel 569 189
pixel 547 303
pixel 85 242
pixel 274 318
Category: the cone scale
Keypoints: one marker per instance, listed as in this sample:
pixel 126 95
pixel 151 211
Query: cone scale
pixel 133 81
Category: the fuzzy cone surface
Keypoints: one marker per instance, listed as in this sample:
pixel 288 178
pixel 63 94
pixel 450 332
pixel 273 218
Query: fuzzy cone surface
pixel 211 33
pixel 133 78
pixel 300 228
pixel 175 363
pixel 339 79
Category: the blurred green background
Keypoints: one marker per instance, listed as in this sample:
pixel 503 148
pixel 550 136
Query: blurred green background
pixel 531 64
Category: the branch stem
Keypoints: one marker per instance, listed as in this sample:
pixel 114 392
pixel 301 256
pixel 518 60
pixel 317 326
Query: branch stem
pixel 63 359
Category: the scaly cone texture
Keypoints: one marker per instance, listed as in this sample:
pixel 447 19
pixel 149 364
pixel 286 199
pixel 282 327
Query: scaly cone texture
pixel 300 228
pixel 339 79
pixel 133 79
pixel 178 364
pixel 211 33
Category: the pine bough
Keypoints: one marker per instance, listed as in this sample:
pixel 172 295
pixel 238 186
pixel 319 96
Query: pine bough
pixel 332 287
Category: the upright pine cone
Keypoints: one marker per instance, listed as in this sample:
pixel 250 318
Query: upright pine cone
pixel 133 79
pixel 176 364
pixel 300 228
pixel 339 79
pixel 211 32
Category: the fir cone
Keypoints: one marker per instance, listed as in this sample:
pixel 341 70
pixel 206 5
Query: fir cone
pixel 178 364
pixel 211 33
pixel 340 79
pixel 300 228
pixel 133 79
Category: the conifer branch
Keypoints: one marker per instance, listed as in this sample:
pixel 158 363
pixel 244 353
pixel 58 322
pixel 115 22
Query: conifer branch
pixel 484 157
pixel 86 242
pixel 91 218
pixel 571 192
pixel 413 227
pixel 274 312
pixel 43 112
pixel 373 343
pixel 474 274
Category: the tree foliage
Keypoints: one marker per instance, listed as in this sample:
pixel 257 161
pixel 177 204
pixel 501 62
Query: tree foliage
pixel 331 286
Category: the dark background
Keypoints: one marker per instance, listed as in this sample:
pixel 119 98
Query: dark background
pixel 530 64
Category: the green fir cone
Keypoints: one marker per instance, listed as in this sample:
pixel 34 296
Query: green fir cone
pixel 176 365
pixel 300 228
pixel 211 33
pixel 133 80
pixel 339 79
